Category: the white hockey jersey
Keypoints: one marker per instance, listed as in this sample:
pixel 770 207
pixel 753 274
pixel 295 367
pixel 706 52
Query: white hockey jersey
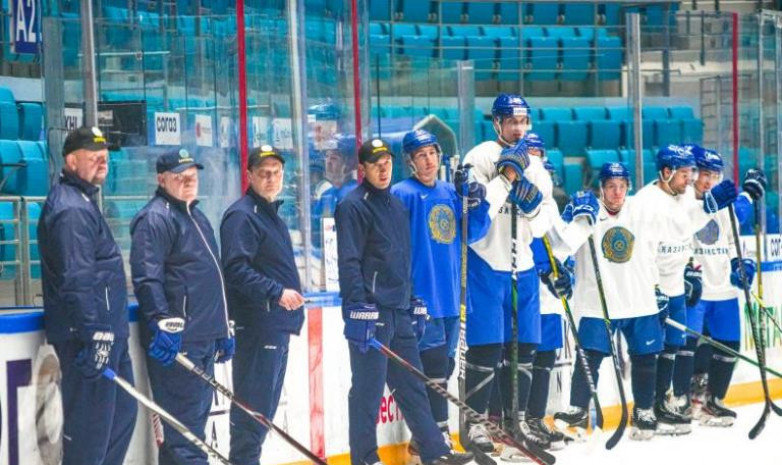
pixel 688 217
pixel 495 247
pixel 713 249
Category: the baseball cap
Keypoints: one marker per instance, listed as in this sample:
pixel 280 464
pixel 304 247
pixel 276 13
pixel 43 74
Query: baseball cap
pixel 258 154
pixel 85 137
pixel 372 150
pixel 176 161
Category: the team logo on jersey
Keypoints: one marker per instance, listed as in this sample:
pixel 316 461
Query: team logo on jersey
pixel 709 234
pixel 442 224
pixel 618 244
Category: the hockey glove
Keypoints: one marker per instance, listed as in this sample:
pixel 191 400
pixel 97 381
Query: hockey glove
pixel 693 284
pixel 94 357
pixel 735 277
pixel 418 316
pixel 167 340
pixel 755 184
pixel 360 321
pixel 662 304
pixel 525 195
pixel 719 197
pixel 225 347
pixel 515 157
pixel 584 204
pixel 474 192
pixel 562 286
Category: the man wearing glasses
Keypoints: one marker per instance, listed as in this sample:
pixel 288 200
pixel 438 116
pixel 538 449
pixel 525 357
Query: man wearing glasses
pixel 85 306
pixel 264 297
pixel 179 285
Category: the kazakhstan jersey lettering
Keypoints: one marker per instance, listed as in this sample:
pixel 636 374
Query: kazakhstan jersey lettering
pixel 713 249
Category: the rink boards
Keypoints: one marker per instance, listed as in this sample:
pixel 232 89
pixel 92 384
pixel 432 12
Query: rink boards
pixel 313 407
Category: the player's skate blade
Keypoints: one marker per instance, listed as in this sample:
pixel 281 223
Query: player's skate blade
pixel 538 427
pixel 670 422
pixel 644 424
pixel 714 413
pixel 573 423
pixel 453 458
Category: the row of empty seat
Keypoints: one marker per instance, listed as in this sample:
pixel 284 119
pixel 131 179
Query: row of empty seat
pixel 19 120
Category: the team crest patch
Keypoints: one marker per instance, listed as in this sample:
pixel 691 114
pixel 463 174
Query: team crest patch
pixel 442 224
pixel 709 234
pixel 618 244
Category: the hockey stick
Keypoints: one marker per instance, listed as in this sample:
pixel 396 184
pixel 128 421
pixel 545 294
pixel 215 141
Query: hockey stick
pixel 577 342
pixel 260 418
pixel 514 322
pixel 614 439
pixel 758 338
pixel 535 453
pixel 165 416
pixel 763 307
pixel 480 457
pixel 718 345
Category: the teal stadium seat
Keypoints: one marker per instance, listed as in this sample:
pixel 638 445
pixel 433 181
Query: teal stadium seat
pixel 608 57
pixel 7 234
pixel 605 134
pixel 572 137
pixel 32 180
pixel 481 50
pixel 596 159
pixel 543 13
pixel 480 12
pixel 30 120
pixel 547 131
pixel 576 58
pixel 453 48
pixel 9 117
pixel 464 30
pixel 497 32
pixel 589 113
pixel 556 114
pixel 510 58
pixel 577 14
pixel 415 11
pixel 453 12
pixel 574 176
pixel 509 12
pixel 558 160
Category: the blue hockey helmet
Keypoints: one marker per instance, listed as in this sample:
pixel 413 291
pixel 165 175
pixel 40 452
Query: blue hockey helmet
pixel 674 157
pixel 509 105
pixel 417 139
pixel 614 170
pixel 534 141
pixel 707 159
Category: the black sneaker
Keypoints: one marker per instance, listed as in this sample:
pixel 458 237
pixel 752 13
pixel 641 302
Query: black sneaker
pixel 574 417
pixel 670 421
pixel 539 427
pixel 714 413
pixel 452 458
pixel 644 424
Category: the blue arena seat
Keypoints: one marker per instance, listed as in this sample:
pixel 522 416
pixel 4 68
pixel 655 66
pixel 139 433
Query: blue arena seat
pixel 668 130
pixel 547 131
pixel 560 31
pixel 543 58
pixel 543 13
pixel 572 137
pixel 377 28
pixel 528 32
pixel 480 13
pixel 692 131
pixel 429 30
pixel 453 12
pixel 556 114
pixel 576 58
pixel 482 50
pixel 605 134
pixel 608 57
pixel 589 113
pixel 655 113
pixel 404 29
pixel 511 13
pixel 620 113
pixel 9 120
pixel 453 48
pixel 596 159
pixel 30 120
pixel 33 180
pixel 416 46
pixel 681 112
pixel 611 13
pixel 510 58
pixel 416 11
pixel 379 10
pixel 558 160
pixel 463 30
pixel 579 13
pixel 499 31
pixel 6 95
pixel 574 176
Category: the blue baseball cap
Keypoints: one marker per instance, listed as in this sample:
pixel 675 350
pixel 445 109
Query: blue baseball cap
pixel 176 161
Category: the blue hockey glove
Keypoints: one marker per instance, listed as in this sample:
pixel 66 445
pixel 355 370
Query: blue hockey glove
pixel 719 197
pixel 474 192
pixel 167 340
pixel 418 316
pixel 662 304
pixel 693 284
pixel 94 357
pixel 584 203
pixel 755 184
pixel 735 277
pixel 225 347
pixel 360 321
pixel 567 213
pixel 562 286
pixel 515 157
pixel 525 195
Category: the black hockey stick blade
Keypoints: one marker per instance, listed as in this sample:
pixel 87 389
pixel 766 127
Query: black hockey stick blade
pixel 481 457
pixel 532 451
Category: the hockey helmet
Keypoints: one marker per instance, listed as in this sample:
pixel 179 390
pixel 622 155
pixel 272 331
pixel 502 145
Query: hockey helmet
pixel 707 159
pixel 417 139
pixel 674 157
pixel 614 170
pixel 509 105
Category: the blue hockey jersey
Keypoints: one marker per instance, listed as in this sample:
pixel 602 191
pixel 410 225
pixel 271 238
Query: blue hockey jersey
pixel 435 230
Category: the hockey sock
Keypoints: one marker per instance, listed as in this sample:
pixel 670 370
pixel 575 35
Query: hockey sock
pixel 541 374
pixel 526 356
pixel 665 371
pixel 702 358
pixel 579 389
pixel 451 366
pixel 684 367
pixel 721 370
pixel 642 374
pixel 481 362
pixel 495 401
pixel 435 363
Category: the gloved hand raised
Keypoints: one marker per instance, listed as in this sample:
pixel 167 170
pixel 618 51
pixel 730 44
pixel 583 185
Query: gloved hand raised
pixel 585 205
pixel 662 304
pixel 513 159
pixel 755 184
pixel 94 356
pixel 166 340
pixel 719 197
pixel 735 277
pixel 476 192
pixel 525 195
pixel 360 321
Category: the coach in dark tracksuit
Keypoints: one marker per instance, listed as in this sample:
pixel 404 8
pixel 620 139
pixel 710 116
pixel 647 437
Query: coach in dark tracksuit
pixel 373 242
pixel 264 298
pixel 178 282
pixel 85 307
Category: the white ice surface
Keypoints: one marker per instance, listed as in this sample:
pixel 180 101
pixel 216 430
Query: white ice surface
pixel 704 446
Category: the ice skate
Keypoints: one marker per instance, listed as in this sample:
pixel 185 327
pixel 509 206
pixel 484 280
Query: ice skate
pixel 573 423
pixel 644 424
pixel 714 413
pixel 539 427
pixel 670 422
